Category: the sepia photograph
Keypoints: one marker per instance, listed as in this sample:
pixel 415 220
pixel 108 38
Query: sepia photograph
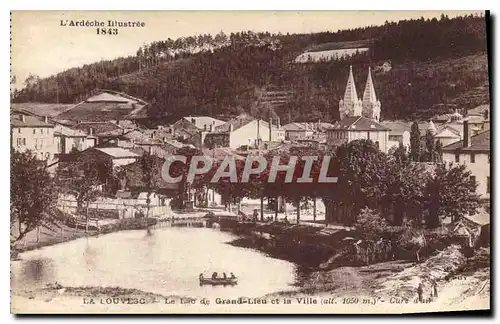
pixel 250 162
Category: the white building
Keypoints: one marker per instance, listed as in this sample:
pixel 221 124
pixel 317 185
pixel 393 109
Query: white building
pixel 34 133
pixel 399 133
pixel 474 152
pixel 244 130
pixel 355 128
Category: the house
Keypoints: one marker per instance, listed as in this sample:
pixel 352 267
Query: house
pixel 105 105
pixel 68 139
pixel 399 133
pixel 117 155
pixel 294 131
pixel 358 127
pixel 34 133
pixel 246 131
pixel 447 134
pixel 184 129
pixel 474 152
pixel 300 131
pixel 204 122
pixel 92 129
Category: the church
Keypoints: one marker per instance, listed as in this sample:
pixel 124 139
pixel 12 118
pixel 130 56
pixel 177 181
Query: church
pixel 359 119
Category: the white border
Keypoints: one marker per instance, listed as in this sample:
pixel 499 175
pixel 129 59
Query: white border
pixel 198 5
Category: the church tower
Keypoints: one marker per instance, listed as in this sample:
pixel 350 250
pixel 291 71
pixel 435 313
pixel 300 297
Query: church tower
pixel 371 106
pixel 350 105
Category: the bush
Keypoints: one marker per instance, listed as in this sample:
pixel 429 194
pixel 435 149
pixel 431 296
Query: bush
pixel 370 224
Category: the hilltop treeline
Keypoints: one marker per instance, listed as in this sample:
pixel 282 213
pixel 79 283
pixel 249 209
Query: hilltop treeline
pixel 225 74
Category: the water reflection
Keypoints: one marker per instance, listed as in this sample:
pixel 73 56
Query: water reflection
pixel 166 261
pixel 35 272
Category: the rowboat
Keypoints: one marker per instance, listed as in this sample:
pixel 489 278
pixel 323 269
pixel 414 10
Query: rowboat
pixel 218 281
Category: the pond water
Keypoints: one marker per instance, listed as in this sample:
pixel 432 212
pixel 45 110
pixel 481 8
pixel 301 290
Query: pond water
pixel 167 262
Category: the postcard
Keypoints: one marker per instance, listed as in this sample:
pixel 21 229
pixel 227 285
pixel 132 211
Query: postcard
pixel 260 162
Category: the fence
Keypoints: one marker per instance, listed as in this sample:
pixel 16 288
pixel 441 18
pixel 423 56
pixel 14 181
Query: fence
pixel 119 208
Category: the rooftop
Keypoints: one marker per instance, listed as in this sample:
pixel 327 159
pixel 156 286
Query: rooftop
pixel 26 120
pixel 200 121
pixel 117 152
pixel 69 132
pixel 358 123
pixel 479 110
pixel 104 106
pixel 479 142
pixel 41 109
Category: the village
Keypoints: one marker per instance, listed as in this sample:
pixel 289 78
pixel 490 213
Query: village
pixel 107 131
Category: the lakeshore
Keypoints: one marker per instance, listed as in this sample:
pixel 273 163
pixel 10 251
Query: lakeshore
pixel 460 281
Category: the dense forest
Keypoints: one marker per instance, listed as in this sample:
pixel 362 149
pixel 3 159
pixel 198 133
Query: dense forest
pixel 434 62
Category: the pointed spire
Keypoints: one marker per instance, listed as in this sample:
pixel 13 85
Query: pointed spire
pixel 369 94
pixel 350 94
pixel 432 128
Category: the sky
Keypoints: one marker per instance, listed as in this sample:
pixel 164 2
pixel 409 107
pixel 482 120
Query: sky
pixel 40 45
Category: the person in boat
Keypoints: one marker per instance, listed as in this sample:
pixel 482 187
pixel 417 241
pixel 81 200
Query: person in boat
pixel 201 276
pixel 232 275
pixel 224 275
pixel 214 275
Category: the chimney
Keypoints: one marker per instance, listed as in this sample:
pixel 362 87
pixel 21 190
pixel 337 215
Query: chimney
pixel 231 128
pixel 258 129
pixel 46 119
pixel 22 118
pixel 279 122
pixel 91 131
pixel 270 129
pixel 467 134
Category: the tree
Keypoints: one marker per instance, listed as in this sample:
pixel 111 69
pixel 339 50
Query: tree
pixel 451 192
pixel 415 142
pixel 439 151
pixel 405 190
pixel 430 154
pixel 370 224
pixel 149 167
pixel 82 179
pixel 33 193
pixel 362 169
pixel 399 154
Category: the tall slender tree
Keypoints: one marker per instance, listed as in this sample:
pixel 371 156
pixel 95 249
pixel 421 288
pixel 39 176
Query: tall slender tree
pixel 415 142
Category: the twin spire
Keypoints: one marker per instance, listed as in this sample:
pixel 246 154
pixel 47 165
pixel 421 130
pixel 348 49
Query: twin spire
pixel 350 106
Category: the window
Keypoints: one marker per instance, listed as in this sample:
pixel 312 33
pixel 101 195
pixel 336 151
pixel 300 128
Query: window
pixel 34 131
pixel 368 135
pixel 472 181
pixel 19 130
pixel 24 141
pixel 472 158
pixel 457 157
pixel 41 131
pixel 488 188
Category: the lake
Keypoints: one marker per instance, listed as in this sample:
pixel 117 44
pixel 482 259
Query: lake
pixel 167 262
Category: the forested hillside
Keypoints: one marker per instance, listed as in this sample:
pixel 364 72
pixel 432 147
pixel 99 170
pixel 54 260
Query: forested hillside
pixel 435 64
